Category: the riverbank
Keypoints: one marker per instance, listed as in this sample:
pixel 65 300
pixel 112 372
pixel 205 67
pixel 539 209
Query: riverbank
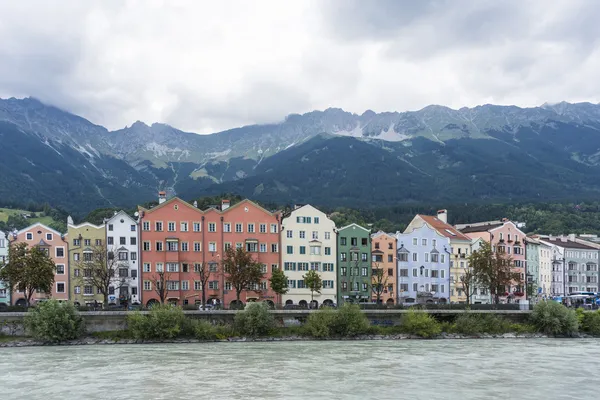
pixel 8 342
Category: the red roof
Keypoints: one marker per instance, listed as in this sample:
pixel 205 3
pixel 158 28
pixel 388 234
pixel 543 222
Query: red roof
pixel 444 228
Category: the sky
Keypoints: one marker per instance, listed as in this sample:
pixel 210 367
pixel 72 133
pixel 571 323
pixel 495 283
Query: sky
pixel 208 66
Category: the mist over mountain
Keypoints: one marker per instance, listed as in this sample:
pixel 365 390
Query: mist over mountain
pixel 330 157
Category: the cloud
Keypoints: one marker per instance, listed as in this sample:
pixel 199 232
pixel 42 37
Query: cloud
pixel 208 66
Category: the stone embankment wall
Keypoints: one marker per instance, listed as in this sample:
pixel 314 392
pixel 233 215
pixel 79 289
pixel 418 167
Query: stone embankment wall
pixel 102 321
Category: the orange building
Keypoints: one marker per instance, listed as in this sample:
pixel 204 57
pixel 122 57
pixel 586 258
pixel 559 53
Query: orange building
pixel 56 247
pixel 178 237
pixel 383 253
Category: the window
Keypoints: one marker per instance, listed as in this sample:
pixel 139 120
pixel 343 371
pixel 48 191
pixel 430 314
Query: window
pixel 353 241
pixel 172 245
pixel 110 227
pixel 415 241
pixel 273 228
pixel 364 241
pixel 289 266
pixel 146 225
pixel 158 226
pixel 227 246
pixel 343 256
pixel 197 285
pixel 173 285
pixel 327 267
pixel 239 228
pixel 227 227
pixel 183 226
pixel 353 256
pixel 327 251
pixel 250 228
pixel 159 246
pixel 60 252
pixel 98 242
pixel 171 226
pixel 263 248
pixel 442 258
pixel 212 247
pixel 301 284
pixel 251 247
pixel 274 248
pixel 327 235
pixel 132 241
pixel 433 242
pixel 132 228
pixel 315 235
pixel 262 228
pixel 302 249
pixel 289 234
pixel 123 272
pixel 196 246
pixel 146 246
pixel 442 273
pixel 88 290
pixel 315 250
pixel 213 285
pixel 77 289
pixel 147 267
pixel 291 284
pixel 364 287
pixel 49 236
pixel 185 285
pixel 390 246
pixel 60 269
pixel 363 271
pixel 403 257
pixel 184 246
pixel 122 240
pixel 60 287
pixel 424 242
pixel 29 236
pixel 415 272
pixel 403 272
pixel 147 285
pixel 75 256
pixel 122 256
pixel 342 241
pixel 415 257
pixel 316 220
pixel 263 268
pixel 110 240
pixel 76 242
pixel 435 257
pixel 434 273
pixel 302 234
pixel 196 226
pixel 290 249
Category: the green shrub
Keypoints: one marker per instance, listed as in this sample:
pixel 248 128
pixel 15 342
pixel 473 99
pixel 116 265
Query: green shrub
pixel 161 322
pixel 204 330
pixel 54 321
pixel 591 323
pixel 477 324
pixel 320 322
pixel 349 320
pixel 553 318
pixel 420 324
pixel 255 320
pixel 522 328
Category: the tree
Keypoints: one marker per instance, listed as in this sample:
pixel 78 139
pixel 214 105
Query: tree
pixel 243 272
pixel 279 283
pixel 468 283
pixel 204 276
pixel 28 269
pixel 312 280
pixel 493 270
pixel 379 282
pixel 160 283
pixel 100 270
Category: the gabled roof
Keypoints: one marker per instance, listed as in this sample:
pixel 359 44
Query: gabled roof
pixel 382 233
pixel 81 225
pixel 443 228
pixel 30 227
pixel 479 226
pixel 356 225
pixel 122 214
pixel 171 200
pixel 247 201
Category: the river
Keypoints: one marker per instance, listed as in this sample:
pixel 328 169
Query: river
pixel 403 369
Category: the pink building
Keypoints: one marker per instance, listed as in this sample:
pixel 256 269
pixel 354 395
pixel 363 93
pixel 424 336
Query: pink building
pixel 505 237
pixel 56 246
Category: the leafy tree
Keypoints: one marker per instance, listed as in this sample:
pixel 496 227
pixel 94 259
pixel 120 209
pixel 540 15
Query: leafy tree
pixel 160 284
pixel 203 275
pixel 313 281
pixel 279 283
pixel 242 271
pixel 379 283
pixel 493 270
pixel 54 321
pixel 28 269
pixel 100 269
pixel 468 283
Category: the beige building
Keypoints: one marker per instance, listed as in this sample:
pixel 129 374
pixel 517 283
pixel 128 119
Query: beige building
pixel 309 242
pixel 545 270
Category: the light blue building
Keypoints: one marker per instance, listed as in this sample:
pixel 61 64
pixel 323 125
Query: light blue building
pixel 4 292
pixel 423 265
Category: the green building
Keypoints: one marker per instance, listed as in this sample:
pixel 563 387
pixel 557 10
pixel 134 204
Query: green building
pixel 354 264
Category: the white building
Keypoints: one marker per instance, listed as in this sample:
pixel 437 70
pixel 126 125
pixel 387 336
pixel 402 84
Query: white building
pixel 4 293
pixel 122 238
pixel 309 242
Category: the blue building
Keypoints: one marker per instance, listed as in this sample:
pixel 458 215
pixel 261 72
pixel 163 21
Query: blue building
pixel 423 257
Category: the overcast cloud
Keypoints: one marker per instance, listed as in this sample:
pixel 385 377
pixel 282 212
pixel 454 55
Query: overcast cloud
pixel 208 66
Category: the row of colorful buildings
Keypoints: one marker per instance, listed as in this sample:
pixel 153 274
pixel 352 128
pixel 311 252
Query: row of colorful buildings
pixel 422 264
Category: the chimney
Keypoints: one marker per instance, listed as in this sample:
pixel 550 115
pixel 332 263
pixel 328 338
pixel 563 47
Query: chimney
pixel 162 197
pixel 443 215
pixel 572 237
pixel 224 204
pixel 195 204
pixel 563 238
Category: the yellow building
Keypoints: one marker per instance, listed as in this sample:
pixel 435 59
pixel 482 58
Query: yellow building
pixel 84 239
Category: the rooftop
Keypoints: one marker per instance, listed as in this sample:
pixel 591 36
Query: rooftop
pixel 443 228
pixel 480 228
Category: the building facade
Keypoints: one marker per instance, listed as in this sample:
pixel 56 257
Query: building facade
pixel 182 240
pixel 57 249
pixel 545 271
pixel 383 256
pixel 84 240
pixel 423 264
pixel 308 242
pixel 122 243
pixel 506 238
pixel 533 275
pixel 354 264
pixel 4 292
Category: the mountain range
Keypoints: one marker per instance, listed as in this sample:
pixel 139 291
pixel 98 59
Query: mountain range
pixel 331 157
